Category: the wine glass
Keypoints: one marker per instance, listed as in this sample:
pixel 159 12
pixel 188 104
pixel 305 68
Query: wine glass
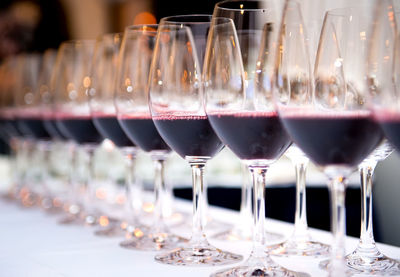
pixel 58 192
pixel 252 131
pixel 70 83
pixel 104 115
pixel 295 58
pixel 131 102
pixel 331 125
pixel 10 132
pixel 177 108
pixel 29 123
pixel 366 257
pixel 249 18
pixel 382 72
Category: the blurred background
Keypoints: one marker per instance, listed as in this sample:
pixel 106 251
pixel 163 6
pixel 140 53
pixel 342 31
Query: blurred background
pixel 36 25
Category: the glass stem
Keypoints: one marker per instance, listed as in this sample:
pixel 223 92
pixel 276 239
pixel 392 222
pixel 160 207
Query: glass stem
pixel 338 225
pixel 246 214
pixel 367 236
pixel 198 239
pixel 76 203
pixel 132 189
pixel 159 191
pixel 89 186
pixel 300 221
pixel 258 174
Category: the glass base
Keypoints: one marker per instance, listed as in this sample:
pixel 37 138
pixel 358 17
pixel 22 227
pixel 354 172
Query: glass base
pixel 80 219
pixel 375 264
pixel 112 231
pixel 264 266
pixel 193 256
pixel 299 248
pixel 237 234
pixel 152 241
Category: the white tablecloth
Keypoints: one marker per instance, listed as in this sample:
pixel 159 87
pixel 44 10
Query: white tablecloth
pixel 33 244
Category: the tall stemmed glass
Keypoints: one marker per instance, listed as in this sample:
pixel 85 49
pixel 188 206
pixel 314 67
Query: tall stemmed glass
pixel 383 82
pixel 366 257
pixel 70 83
pixel 294 62
pixel 10 132
pixel 333 125
pixel 249 18
pixel 101 94
pixel 131 101
pixel 177 107
pixel 29 122
pixel 251 130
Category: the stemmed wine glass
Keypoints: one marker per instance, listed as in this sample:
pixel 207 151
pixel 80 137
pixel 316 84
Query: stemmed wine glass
pixel 10 132
pixel 366 257
pixel 251 130
pixel 101 100
pixel 70 83
pixel 294 60
pixel 131 102
pixel 331 125
pixel 382 78
pixel 29 123
pixel 249 18
pixel 177 107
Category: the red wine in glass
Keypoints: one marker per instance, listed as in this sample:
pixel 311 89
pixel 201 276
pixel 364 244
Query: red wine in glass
pixel 335 139
pixel 108 126
pixel 251 135
pixel 141 130
pixel 390 124
pixel 32 126
pixel 79 128
pixel 189 135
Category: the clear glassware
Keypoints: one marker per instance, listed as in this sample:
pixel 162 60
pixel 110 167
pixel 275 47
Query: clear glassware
pixel 104 115
pixel 249 19
pixel 70 83
pixel 131 102
pixel 332 124
pixel 383 83
pixel 367 258
pixel 10 132
pixel 300 242
pixel 29 123
pixel 177 108
pixel 253 132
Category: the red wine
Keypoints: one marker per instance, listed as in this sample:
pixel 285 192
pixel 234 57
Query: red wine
pixel 109 128
pixel 251 135
pixel 141 130
pixel 390 124
pixel 189 135
pixel 78 128
pixel 334 139
pixel 50 124
pixel 32 127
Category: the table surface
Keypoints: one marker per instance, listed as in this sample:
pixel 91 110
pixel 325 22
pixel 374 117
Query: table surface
pixel 34 244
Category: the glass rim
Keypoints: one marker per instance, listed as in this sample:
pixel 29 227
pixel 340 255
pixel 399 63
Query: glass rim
pixel 167 19
pixel 219 5
pixel 149 28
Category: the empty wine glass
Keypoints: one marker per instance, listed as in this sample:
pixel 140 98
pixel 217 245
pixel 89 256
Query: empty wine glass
pixel 295 61
pixel 251 130
pixel 101 96
pixel 131 101
pixel 331 125
pixel 70 83
pixel 177 107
